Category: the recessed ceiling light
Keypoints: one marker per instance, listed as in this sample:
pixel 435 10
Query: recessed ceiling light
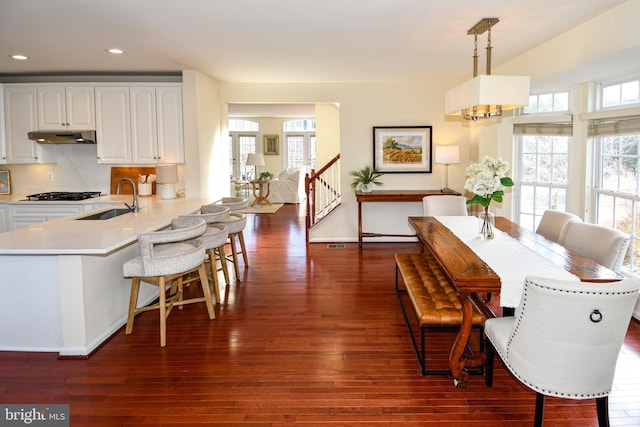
pixel 115 51
pixel 20 57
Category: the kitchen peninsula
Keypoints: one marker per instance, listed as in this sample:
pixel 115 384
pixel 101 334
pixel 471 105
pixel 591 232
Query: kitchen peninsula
pixel 62 284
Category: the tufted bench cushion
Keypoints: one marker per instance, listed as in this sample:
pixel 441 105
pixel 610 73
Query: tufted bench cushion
pixel 435 300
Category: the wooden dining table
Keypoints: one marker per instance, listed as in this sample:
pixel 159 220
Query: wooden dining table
pixel 472 276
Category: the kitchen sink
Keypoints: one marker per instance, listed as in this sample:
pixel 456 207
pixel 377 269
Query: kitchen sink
pixel 111 213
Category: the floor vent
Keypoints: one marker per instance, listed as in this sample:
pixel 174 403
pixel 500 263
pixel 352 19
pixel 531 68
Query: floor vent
pixel 337 246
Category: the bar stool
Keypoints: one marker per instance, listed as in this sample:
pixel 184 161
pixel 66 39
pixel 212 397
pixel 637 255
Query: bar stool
pixel 235 223
pixel 214 239
pixel 234 203
pixel 216 213
pixel 166 256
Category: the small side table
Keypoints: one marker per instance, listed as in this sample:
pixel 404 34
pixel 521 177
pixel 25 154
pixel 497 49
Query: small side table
pixel 261 192
pixel 242 188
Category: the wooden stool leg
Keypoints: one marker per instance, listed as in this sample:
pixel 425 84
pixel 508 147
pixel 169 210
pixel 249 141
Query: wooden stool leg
pixel 133 302
pixel 234 254
pixel 204 281
pixel 177 289
pixel 214 274
pixel 163 312
pixel 244 250
pixel 223 263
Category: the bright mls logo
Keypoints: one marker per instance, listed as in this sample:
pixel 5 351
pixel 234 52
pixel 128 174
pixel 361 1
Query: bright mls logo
pixel 34 415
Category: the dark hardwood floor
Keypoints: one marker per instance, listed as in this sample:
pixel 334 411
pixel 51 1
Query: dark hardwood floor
pixel 309 338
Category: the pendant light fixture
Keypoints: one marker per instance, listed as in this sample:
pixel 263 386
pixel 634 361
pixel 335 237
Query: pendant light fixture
pixel 486 95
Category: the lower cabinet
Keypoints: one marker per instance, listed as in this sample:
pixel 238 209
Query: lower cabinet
pixel 4 217
pixel 23 214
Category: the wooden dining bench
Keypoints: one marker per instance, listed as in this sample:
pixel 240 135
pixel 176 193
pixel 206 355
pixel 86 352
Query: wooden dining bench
pixel 434 300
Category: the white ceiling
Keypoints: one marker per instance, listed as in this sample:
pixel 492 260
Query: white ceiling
pixel 276 40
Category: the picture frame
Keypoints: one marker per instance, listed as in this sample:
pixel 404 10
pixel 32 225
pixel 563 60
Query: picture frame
pixel 402 149
pixel 5 182
pixel 271 145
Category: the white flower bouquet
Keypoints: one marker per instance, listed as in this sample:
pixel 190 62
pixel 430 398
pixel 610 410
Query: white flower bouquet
pixel 486 180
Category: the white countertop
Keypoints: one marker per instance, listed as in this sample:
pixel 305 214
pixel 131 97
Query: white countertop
pixel 68 236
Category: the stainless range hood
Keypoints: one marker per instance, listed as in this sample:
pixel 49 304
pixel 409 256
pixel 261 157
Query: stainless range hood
pixel 63 137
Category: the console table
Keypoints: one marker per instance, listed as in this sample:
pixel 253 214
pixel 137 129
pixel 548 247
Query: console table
pixel 391 196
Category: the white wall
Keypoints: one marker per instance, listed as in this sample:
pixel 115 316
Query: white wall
pixel 206 154
pixel 327 133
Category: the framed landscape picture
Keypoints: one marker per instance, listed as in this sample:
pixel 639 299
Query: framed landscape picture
pixel 5 182
pixel 402 149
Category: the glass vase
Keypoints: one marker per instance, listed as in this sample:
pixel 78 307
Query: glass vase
pixel 486 223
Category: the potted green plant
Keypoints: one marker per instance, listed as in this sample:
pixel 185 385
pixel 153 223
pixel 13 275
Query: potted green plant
pixel 265 176
pixel 364 178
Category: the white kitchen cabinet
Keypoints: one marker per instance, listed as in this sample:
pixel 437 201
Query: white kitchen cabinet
pixel 23 214
pixel 113 124
pixel 3 141
pixel 66 107
pixel 155 125
pixel 4 217
pixel 144 124
pixel 20 113
pixel 170 124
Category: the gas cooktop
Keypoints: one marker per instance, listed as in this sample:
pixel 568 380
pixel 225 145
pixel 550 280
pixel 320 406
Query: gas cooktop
pixel 64 195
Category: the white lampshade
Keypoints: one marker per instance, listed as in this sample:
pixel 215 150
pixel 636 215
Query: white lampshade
pixel 255 159
pixel 166 174
pixel 166 178
pixel 490 91
pixel 447 154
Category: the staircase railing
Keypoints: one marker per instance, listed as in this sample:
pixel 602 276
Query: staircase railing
pixel 323 192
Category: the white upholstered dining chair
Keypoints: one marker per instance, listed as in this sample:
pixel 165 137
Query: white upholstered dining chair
pixel 604 245
pixel 564 340
pixel 449 205
pixel 553 224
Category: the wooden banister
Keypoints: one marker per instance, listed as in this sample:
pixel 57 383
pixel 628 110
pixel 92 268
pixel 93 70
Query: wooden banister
pixel 323 192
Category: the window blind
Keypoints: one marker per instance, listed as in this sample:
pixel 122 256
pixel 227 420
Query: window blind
pixel 556 129
pixel 614 126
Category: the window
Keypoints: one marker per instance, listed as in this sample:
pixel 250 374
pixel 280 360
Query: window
pixel 543 176
pixel 542 158
pixel 300 143
pixel 619 94
pixel 243 137
pixel 617 181
pixel 555 102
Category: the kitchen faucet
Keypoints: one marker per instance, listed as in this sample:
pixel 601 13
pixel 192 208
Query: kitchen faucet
pixel 134 206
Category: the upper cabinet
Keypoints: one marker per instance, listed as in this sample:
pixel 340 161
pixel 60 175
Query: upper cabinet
pixel 113 125
pixel 156 121
pixel 20 114
pixel 134 123
pixel 3 143
pixel 66 108
pixel 139 124
pixel 170 130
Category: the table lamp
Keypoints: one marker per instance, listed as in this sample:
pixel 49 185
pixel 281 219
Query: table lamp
pixel 255 159
pixel 166 179
pixel 447 155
